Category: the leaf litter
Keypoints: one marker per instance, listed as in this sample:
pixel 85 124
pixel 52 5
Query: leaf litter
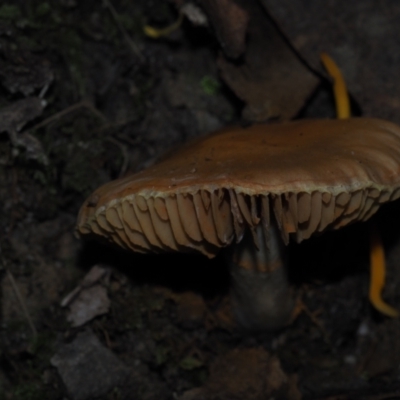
pixel 115 101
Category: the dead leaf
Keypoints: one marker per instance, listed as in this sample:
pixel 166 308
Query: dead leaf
pixel 16 115
pixel 23 72
pixel 229 21
pixel 89 299
pixel 194 14
pixel 191 309
pixel 362 37
pixel 90 303
pixel 250 374
pixel 271 80
pixel 95 274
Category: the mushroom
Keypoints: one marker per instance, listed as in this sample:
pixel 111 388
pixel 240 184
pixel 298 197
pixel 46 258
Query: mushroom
pixel 251 190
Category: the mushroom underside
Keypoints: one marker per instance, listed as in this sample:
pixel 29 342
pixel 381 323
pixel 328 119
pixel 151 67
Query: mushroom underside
pixel 207 220
pixel 260 225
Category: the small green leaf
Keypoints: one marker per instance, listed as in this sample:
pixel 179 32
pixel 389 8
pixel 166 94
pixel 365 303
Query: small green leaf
pixel 210 85
pixel 190 363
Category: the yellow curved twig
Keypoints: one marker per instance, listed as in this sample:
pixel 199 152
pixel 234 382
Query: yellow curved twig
pixel 378 271
pixel 155 33
pixel 339 87
pixel 377 253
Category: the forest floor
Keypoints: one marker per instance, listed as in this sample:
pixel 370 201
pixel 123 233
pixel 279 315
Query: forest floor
pixel 86 97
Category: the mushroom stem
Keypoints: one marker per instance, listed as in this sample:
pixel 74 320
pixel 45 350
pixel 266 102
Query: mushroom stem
pixel 377 260
pixel 339 87
pixel 261 297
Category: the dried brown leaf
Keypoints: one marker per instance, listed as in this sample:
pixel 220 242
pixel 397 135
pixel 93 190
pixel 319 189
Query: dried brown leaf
pixel 229 21
pixel 246 374
pixel 272 81
pixel 363 39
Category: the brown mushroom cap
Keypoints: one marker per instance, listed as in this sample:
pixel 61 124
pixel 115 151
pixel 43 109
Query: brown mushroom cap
pixel 312 174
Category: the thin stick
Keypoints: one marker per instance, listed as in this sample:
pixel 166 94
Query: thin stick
pixel 21 302
pixel 125 156
pixel 68 110
pixel 128 39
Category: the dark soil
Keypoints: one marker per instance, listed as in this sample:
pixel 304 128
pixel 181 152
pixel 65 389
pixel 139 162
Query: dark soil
pixel 86 97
